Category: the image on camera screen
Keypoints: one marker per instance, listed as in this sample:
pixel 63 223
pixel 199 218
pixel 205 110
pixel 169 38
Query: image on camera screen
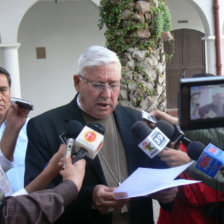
pixel 207 101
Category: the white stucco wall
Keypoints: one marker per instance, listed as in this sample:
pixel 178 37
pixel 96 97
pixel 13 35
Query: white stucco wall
pixel 66 30
pixel 189 13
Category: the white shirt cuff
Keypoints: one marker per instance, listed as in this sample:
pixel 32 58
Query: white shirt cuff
pixel 20 192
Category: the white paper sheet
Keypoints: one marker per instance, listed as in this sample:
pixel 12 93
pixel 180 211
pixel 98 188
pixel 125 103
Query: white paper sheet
pixel 145 181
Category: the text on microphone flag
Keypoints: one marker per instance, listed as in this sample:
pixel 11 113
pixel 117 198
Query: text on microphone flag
pixel 154 143
pixel 211 160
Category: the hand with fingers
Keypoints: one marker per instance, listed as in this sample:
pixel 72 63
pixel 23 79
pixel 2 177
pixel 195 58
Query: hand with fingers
pixel 165 196
pixel 106 201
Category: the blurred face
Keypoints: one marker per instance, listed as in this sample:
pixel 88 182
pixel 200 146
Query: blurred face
pixel 99 101
pixel 218 99
pixel 4 96
pixel 195 99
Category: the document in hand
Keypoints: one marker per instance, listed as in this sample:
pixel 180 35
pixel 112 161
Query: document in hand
pixel 145 181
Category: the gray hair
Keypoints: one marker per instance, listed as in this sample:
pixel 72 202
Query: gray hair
pixel 96 56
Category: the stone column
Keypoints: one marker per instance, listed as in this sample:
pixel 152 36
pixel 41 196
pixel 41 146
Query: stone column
pixel 210 54
pixel 11 64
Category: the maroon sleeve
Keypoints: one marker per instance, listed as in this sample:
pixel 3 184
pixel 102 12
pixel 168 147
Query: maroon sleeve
pixel 44 206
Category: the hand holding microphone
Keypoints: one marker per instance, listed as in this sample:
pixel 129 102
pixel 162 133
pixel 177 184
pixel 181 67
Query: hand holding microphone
pixel 210 159
pixel 196 150
pixel 72 129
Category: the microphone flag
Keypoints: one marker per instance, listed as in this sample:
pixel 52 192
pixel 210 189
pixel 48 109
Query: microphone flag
pixel 210 160
pixel 154 143
pixel 90 140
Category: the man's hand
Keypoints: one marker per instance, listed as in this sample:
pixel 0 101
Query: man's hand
pixel 165 196
pixel 55 164
pixel 16 117
pixel 105 199
pixel 74 172
pixel 173 157
pixel 160 115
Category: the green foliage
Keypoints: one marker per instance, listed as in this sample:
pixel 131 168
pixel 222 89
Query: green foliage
pixel 166 19
pixel 161 21
pixel 121 33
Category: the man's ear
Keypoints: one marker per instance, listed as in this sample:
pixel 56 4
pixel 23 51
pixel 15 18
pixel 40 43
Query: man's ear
pixel 76 82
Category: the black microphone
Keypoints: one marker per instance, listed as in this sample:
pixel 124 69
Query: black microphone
pixel 72 129
pixel 141 130
pixel 89 141
pixel 166 128
pixel 153 141
pixel 173 132
pixel 194 150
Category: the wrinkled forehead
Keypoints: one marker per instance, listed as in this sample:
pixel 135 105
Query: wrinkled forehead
pixel 110 71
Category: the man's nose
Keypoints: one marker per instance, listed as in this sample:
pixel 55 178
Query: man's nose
pixel 106 91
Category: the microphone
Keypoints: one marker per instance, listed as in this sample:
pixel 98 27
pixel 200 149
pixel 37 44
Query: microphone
pixel 89 141
pixel 195 149
pixel 153 141
pixel 173 132
pixel 72 129
pixel 166 128
pixel 209 159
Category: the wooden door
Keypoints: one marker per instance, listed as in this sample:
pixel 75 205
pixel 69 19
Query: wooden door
pixel 189 59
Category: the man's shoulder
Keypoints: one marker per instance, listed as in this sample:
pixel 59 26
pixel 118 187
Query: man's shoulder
pixel 128 110
pixel 127 113
pixel 54 115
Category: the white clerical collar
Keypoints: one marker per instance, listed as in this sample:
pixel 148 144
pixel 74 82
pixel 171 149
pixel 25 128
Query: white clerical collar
pixel 79 104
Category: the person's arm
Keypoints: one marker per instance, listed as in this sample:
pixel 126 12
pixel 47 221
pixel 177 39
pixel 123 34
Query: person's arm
pixel 49 173
pixel 217 182
pixel 160 115
pixel 38 153
pixel 173 157
pixel 46 206
pixel 15 119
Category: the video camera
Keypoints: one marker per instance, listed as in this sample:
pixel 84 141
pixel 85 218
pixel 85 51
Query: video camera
pixel 201 102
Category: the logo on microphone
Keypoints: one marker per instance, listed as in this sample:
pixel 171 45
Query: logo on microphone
pixel 210 161
pixel 154 143
pixel 90 136
pixel 147 146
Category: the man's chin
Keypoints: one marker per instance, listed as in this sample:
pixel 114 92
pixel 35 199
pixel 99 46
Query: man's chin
pixel 101 114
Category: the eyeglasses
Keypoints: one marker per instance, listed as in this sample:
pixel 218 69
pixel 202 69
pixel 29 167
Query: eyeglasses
pixel 100 86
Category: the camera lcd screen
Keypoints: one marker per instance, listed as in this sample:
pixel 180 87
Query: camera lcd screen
pixel 201 103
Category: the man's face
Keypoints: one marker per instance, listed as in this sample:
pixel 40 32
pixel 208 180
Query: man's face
pixel 195 99
pixel 4 95
pixel 218 99
pixel 99 103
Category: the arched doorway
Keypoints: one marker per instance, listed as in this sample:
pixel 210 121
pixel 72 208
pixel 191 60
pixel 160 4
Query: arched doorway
pixel 188 59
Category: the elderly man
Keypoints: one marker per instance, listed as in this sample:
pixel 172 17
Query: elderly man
pixel 215 108
pixel 98 85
